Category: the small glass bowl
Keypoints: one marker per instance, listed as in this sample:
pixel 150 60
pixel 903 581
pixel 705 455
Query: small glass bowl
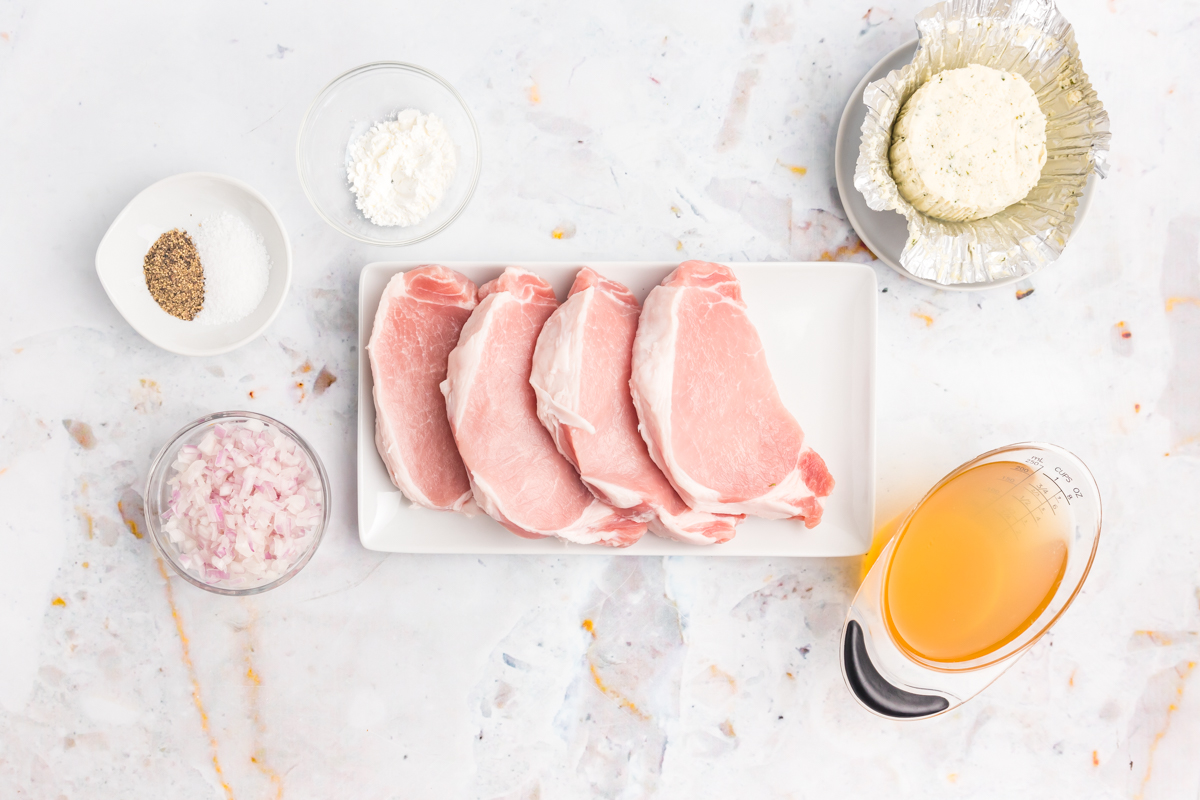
pixel 346 109
pixel 158 497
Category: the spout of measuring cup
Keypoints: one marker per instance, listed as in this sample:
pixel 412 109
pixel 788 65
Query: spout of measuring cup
pixel 875 692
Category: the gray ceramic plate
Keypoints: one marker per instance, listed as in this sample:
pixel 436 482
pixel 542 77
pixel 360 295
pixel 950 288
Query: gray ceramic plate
pixel 884 232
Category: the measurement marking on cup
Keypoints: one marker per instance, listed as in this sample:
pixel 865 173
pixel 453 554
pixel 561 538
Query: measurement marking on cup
pixel 1045 502
pixel 1041 490
pixel 1018 483
pixel 1029 513
pixel 1066 496
pixel 1024 499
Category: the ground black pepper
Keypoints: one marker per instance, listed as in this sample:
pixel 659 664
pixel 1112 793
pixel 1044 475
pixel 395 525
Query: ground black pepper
pixel 174 275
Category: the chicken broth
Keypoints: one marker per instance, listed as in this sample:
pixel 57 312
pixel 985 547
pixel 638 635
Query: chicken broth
pixel 975 565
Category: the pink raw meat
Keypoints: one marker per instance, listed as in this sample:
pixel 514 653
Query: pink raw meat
pixel 518 476
pixel 708 405
pixel 420 316
pixel 580 373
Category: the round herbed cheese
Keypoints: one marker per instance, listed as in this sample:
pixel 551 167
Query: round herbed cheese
pixel 970 142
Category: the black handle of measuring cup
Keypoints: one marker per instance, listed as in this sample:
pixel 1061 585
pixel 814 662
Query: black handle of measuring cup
pixel 874 691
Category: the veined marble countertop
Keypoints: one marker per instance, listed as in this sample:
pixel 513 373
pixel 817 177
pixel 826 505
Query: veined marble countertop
pixel 625 130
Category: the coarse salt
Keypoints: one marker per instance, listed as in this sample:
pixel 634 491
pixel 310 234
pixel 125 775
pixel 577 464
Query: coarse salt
pixel 245 504
pixel 236 268
pixel 401 168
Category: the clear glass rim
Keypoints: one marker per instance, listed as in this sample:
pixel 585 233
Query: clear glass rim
pixel 1026 639
pixel 157 474
pixel 309 117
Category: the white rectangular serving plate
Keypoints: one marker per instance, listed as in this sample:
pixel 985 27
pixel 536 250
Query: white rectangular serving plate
pixel 817 323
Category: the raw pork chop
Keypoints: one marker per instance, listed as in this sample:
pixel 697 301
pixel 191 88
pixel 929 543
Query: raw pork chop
pixel 581 377
pixel 709 409
pixel 418 322
pixel 518 476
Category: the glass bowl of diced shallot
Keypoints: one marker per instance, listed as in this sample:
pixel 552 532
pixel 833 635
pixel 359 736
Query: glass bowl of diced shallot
pixel 237 503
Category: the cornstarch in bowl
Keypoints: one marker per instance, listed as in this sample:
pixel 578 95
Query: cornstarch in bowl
pixel 400 169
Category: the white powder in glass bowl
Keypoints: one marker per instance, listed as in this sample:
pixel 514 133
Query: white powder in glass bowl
pixel 401 168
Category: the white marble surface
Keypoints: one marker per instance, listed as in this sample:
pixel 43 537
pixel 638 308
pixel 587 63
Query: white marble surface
pixel 637 131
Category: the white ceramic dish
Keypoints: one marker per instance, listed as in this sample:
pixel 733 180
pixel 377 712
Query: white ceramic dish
pixel 818 315
pixel 884 232
pixel 346 109
pixel 182 201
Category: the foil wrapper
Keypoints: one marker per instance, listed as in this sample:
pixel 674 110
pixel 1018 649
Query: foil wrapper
pixel 1032 39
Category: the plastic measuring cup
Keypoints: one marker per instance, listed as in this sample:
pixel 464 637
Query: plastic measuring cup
pixel 892 682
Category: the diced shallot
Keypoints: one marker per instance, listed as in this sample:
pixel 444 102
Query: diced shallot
pixel 245 504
